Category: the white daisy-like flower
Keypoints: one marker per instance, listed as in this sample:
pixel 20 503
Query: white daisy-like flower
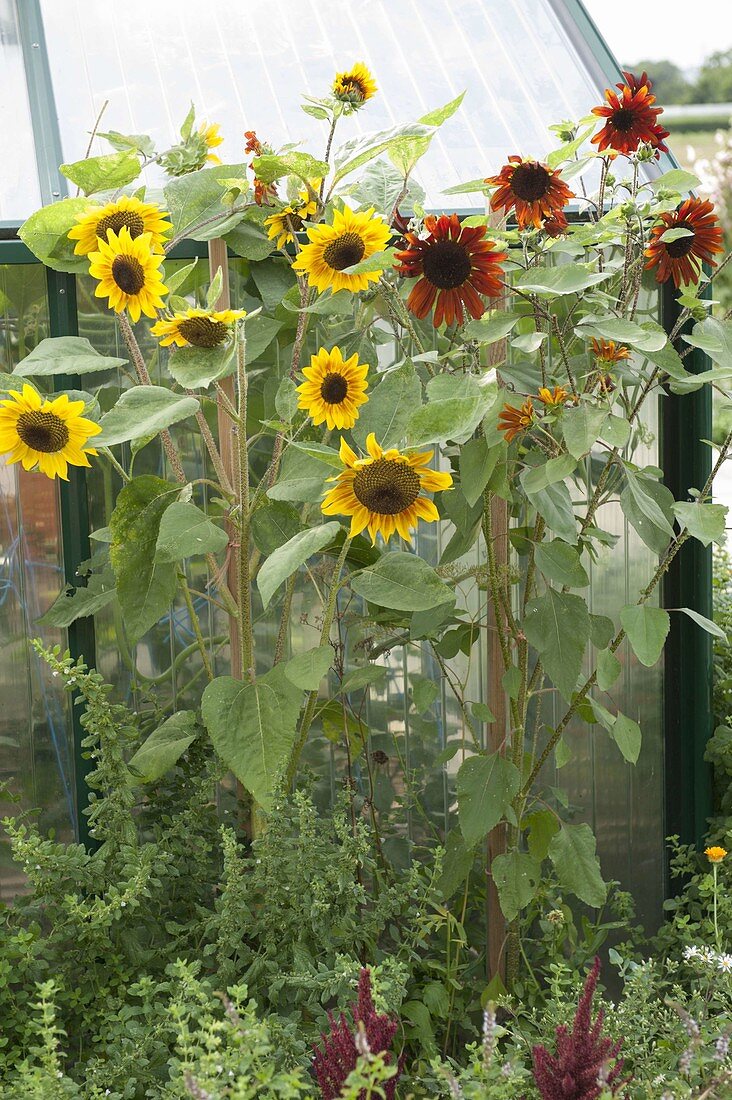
pixel 692 952
pixel 707 955
pixel 724 963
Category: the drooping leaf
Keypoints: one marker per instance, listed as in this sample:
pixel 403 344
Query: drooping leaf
pixel 453 411
pixel 195 368
pixel 557 625
pixel 143 411
pixel 186 531
pixel 164 747
pixel 77 603
pixel 706 624
pixel 145 588
pixel 705 522
pixel 646 628
pixel 284 561
pixel 456 866
pixel 424 693
pixel 581 427
pixel 402 582
pixel 536 478
pixel 360 150
pixel 554 505
pixel 253 727
pixel 466 521
pixel 65 355
pixel 602 630
pixel 301 478
pixel 105 173
pixel 517 876
pixel 714 336
pixel 608 669
pixel 46 234
pixel 549 282
pixel 627 736
pixel 477 463
pixel 542 825
pixel 573 852
pixel 622 331
pixel 561 564
pixel 486 786
pixel 491 327
pixel 390 406
pixel 306 670
pixel 270 167
pixel 676 179
pixel 647 505
pixel 273 523
pixel 197 197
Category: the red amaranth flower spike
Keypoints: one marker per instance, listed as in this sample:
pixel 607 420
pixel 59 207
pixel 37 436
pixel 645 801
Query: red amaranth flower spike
pixel 339 1054
pixel 580 1069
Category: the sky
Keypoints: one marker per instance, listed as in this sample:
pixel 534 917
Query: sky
pixel 679 30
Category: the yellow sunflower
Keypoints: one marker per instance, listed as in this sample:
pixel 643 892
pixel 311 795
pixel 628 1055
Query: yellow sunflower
pixel 351 238
pixel 127 212
pixel 283 225
pixel 198 328
pixel 382 492
pixel 49 434
pixel 211 137
pixel 354 86
pixel 334 389
pixel 129 273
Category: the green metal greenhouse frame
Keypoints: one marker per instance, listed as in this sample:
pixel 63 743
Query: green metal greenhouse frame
pixel 686 423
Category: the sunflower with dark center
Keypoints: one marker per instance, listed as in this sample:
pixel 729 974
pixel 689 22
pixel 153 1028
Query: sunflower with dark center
pixel 455 265
pixel 48 434
pixel 354 87
pixel 333 248
pixel 126 213
pixel 198 328
pixel 534 190
pixel 607 351
pixel 513 421
pixel 129 274
pixel 282 226
pixel 681 257
pixel 631 119
pixel 383 492
pixel 334 389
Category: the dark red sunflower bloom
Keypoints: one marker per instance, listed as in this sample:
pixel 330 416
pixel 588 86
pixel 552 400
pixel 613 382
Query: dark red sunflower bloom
pixel 681 259
pixel 533 189
pixel 456 265
pixel 635 82
pixel 556 226
pixel 631 119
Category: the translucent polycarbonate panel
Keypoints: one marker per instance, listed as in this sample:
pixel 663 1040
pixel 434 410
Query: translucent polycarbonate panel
pixel 36 757
pixel 245 66
pixel 19 190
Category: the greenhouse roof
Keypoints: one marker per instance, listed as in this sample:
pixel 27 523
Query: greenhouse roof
pixel 246 65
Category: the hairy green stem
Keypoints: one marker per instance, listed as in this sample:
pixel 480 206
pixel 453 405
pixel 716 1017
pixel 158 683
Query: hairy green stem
pixel 195 623
pixel 246 640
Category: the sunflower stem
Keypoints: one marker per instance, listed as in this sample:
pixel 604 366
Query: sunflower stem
pixel 246 641
pixel 144 379
pixel 117 466
pixel 403 316
pixel 302 324
pixel 312 699
pixel 195 623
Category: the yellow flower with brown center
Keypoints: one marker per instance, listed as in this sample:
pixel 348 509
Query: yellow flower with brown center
pixel 383 492
pixel 49 434
pixel 126 212
pixel 715 854
pixel 211 137
pixel 334 389
pixel 198 328
pixel 513 421
pixel 354 86
pixel 283 225
pixel 552 398
pixel 607 351
pixel 351 238
pixel 129 273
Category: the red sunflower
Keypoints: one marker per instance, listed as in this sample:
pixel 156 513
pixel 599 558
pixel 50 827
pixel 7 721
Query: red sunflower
pixel 681 259
pixel 533 189
pixel 556 226
pixel 631 119
pixel 456 265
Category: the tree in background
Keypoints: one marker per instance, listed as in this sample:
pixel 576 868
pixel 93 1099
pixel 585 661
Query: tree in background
pixel 669 83
pixel 714 83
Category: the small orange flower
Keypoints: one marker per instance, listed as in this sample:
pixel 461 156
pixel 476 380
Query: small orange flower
pixel 556 226
pixel 513 421
pixel 715 854
pixel 554 397
pixel 681 259
pixel 253 144
pixel 533 189
pixel 607 351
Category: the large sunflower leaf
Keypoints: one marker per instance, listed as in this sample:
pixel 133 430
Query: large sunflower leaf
pixel 143 411
pixel 352 154
pixel 46 235
pixel 65 355
pixel 557 625
pixel 401 582
pixel 390 407
pixel 548 282
pixel 286 559
pixel 486 785
pixel 105 173
pixel 573 852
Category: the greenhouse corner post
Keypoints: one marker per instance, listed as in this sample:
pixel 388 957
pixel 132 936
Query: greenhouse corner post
pixel 687 421
pixel 74 536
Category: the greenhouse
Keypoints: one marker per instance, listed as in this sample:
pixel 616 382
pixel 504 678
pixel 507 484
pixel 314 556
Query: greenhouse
pixel 467 705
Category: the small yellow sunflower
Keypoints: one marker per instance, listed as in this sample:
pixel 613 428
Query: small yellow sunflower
pixel 129 273
pixel 334 389
pixel 283 225
pixel 49 434
pixel 351 238
pixel 198 328
pixel 354 86
pixel 127 212
pixel 382 492
pixel 211 136
pixel 715 854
